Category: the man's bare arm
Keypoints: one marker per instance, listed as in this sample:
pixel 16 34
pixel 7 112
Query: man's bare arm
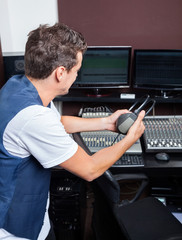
pixel 77 124
pixel 90 167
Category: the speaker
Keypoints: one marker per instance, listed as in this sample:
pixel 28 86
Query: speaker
pixel 13 64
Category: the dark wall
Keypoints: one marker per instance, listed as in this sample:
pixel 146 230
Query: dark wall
pixel 138 23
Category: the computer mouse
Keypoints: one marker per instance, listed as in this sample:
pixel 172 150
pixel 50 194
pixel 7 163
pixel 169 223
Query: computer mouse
pixel 162 156
pixel 125 121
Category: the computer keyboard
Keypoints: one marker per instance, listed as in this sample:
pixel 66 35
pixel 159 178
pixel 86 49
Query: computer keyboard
pixel 129 160
pixel 163 133
pixel 97 140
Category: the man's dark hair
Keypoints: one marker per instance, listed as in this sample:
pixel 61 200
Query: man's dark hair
pixel 49 47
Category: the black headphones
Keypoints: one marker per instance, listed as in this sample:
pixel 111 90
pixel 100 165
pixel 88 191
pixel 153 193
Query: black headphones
pixel 125 121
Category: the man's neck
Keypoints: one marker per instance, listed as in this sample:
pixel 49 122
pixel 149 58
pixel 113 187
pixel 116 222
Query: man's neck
pixel 44 89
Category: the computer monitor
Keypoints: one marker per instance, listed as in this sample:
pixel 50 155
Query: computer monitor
pixel 104 68
pixel 158 70
pixel 13 64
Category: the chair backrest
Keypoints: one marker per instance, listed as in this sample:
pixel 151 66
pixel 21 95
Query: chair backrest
pixel 108 183
pixel 109 186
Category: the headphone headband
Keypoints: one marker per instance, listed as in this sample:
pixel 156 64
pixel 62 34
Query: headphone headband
pixel 144 100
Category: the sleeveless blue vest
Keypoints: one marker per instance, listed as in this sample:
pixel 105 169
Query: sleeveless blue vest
pixel 24 183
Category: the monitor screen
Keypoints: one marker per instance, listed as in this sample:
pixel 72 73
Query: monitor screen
pixel 105 67
pixel 13 64
pixel 157 69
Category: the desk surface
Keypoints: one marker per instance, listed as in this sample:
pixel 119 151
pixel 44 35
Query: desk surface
pixel 175 161
pixel 155 167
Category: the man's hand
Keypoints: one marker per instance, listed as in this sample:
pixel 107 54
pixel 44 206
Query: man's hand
pixel 137 129
pixel 111 120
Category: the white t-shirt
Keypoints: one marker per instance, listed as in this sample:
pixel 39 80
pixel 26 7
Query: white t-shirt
pixel 37 131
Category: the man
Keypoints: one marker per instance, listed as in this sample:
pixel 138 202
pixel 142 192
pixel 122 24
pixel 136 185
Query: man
pixel 33 138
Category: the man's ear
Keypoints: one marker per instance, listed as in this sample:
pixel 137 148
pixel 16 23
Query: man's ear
pixel 60 71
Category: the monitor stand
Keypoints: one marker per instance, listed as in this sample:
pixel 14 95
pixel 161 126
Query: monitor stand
pixel 96 92
pixel 164 94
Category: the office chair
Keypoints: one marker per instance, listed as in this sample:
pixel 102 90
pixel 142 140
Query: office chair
pixel 135 219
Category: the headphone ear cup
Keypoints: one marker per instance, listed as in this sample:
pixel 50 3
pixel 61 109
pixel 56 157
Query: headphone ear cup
pixel 125 121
